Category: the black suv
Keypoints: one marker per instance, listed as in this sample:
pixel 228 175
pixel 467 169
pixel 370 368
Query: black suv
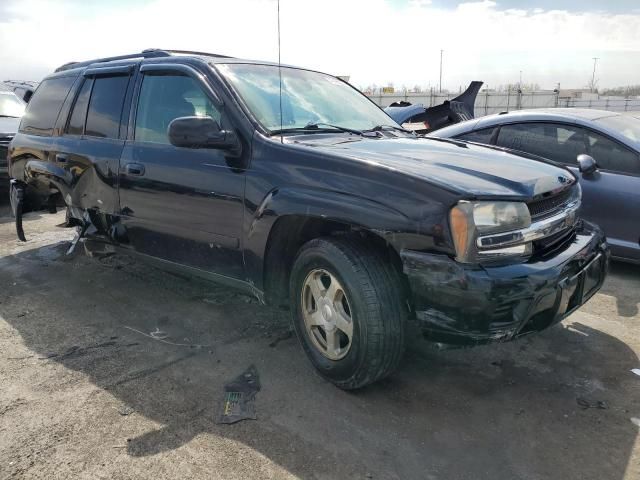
pixel 293 186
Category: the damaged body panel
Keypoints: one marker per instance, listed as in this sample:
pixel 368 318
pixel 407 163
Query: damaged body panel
pixel 167 157
pixel 470 305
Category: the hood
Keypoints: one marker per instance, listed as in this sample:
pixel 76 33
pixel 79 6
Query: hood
pixel 466 168
pixel 9 126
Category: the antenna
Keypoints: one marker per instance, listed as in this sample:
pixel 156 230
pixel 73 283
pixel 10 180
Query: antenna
pixel 280 76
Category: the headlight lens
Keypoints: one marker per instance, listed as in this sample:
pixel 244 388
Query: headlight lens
pixel 468 220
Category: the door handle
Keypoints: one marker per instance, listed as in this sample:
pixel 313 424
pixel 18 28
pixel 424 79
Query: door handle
pixel 61 158
pixel 136 169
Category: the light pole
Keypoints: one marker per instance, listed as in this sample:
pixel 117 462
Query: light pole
pixel 441 70
pixel 593 75
pixel 520 82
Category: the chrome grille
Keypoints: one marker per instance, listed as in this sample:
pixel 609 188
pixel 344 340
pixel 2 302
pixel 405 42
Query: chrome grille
pixel 4 150
pixel 548 206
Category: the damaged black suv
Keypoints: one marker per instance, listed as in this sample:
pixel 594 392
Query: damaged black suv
pixel 293 186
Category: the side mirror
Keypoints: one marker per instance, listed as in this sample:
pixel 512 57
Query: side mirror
pixel 586 164
pixel 202 132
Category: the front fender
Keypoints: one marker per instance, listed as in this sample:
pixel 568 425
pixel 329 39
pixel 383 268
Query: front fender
pixel 331 205
pixel 357 212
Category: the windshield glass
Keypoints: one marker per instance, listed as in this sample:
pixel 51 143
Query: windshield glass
pixel 626 125
pixel 10 105
pixel 307 98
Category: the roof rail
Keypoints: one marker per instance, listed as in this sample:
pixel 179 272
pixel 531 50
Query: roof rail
pixel 150 53
pixel 191 52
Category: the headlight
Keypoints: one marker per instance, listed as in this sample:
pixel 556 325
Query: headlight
pixel 469 220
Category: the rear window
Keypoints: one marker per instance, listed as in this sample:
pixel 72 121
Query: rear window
pixel 43 109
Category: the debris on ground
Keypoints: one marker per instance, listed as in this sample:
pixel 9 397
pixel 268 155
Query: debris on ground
pixel 239 395
pixel 636 371
pixel 584 403
pixel 162 336
pixel 125 410
pixel 635 421
pixel 158 334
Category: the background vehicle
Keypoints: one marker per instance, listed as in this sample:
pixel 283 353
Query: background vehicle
pixel 22 88
pixel 11 110
pixel 292 185
pixel 421 119
pixel 611 192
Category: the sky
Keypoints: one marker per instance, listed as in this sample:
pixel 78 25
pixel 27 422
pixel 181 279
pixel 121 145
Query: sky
pixel 373 41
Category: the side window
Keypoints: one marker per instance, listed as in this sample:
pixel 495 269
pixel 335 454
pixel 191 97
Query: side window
pixel 43 109
pixel 166 97
pixel 557 142
pixel 610 155
pixel 79 112
pixel 480 136
pixel 105 106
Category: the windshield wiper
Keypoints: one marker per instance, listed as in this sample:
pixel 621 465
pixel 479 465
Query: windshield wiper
pixel 8 116
pixel 319 127
pixel 379 128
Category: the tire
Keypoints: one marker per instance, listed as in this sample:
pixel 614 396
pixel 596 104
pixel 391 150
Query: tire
pixel 374 307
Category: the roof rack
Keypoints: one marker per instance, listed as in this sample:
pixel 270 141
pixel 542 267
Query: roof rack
pixel 191 52
pixel 148 53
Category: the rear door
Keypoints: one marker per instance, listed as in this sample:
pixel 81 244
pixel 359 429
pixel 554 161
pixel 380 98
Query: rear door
pixel 180 204
pixel 92 140
pixel 611 196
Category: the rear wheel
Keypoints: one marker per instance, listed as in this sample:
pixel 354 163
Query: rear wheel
pixel 348 311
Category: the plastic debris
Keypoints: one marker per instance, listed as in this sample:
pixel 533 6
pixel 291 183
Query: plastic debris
pixel 636 371
pixel 158 334
pixel 239 395
pixel 635 421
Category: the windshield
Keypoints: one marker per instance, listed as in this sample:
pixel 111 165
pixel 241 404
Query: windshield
pixel 626 125
pixel 307 98
pixel 11 106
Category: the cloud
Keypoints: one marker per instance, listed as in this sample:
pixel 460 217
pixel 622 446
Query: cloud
pixel 371 40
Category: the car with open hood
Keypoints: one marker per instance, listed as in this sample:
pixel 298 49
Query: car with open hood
pixel 291 185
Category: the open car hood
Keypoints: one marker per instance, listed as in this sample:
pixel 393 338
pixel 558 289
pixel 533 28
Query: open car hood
pixel 424 120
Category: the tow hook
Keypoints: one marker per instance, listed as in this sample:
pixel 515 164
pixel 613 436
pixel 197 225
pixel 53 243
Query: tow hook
pixel 17 202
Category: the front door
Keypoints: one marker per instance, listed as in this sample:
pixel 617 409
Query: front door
pixel 180 204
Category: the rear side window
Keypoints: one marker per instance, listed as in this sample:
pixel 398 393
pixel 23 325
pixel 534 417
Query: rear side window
pixel 79 113
pixel 480 136
pixel 43 109
pixel 105 106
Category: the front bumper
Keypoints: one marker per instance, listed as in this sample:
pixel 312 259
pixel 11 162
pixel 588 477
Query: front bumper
pixel 463 304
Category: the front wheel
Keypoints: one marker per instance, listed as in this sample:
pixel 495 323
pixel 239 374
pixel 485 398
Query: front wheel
pixel 348 311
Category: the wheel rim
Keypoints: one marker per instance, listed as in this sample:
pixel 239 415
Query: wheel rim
pixel 327 314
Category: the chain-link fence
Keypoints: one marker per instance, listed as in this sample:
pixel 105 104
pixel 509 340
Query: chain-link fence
pixel 495 102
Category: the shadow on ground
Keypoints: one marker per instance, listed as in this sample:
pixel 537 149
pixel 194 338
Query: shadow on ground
pixel 556 405
pixel 624 285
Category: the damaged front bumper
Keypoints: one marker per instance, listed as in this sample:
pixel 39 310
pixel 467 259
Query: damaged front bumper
pixel 464 304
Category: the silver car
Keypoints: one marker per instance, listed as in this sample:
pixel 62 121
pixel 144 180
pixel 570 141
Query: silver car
pixel 610 186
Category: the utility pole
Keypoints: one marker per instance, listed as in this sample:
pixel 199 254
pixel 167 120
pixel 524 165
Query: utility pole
pixel 593 76
pixel 441 70
pixel 520 81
